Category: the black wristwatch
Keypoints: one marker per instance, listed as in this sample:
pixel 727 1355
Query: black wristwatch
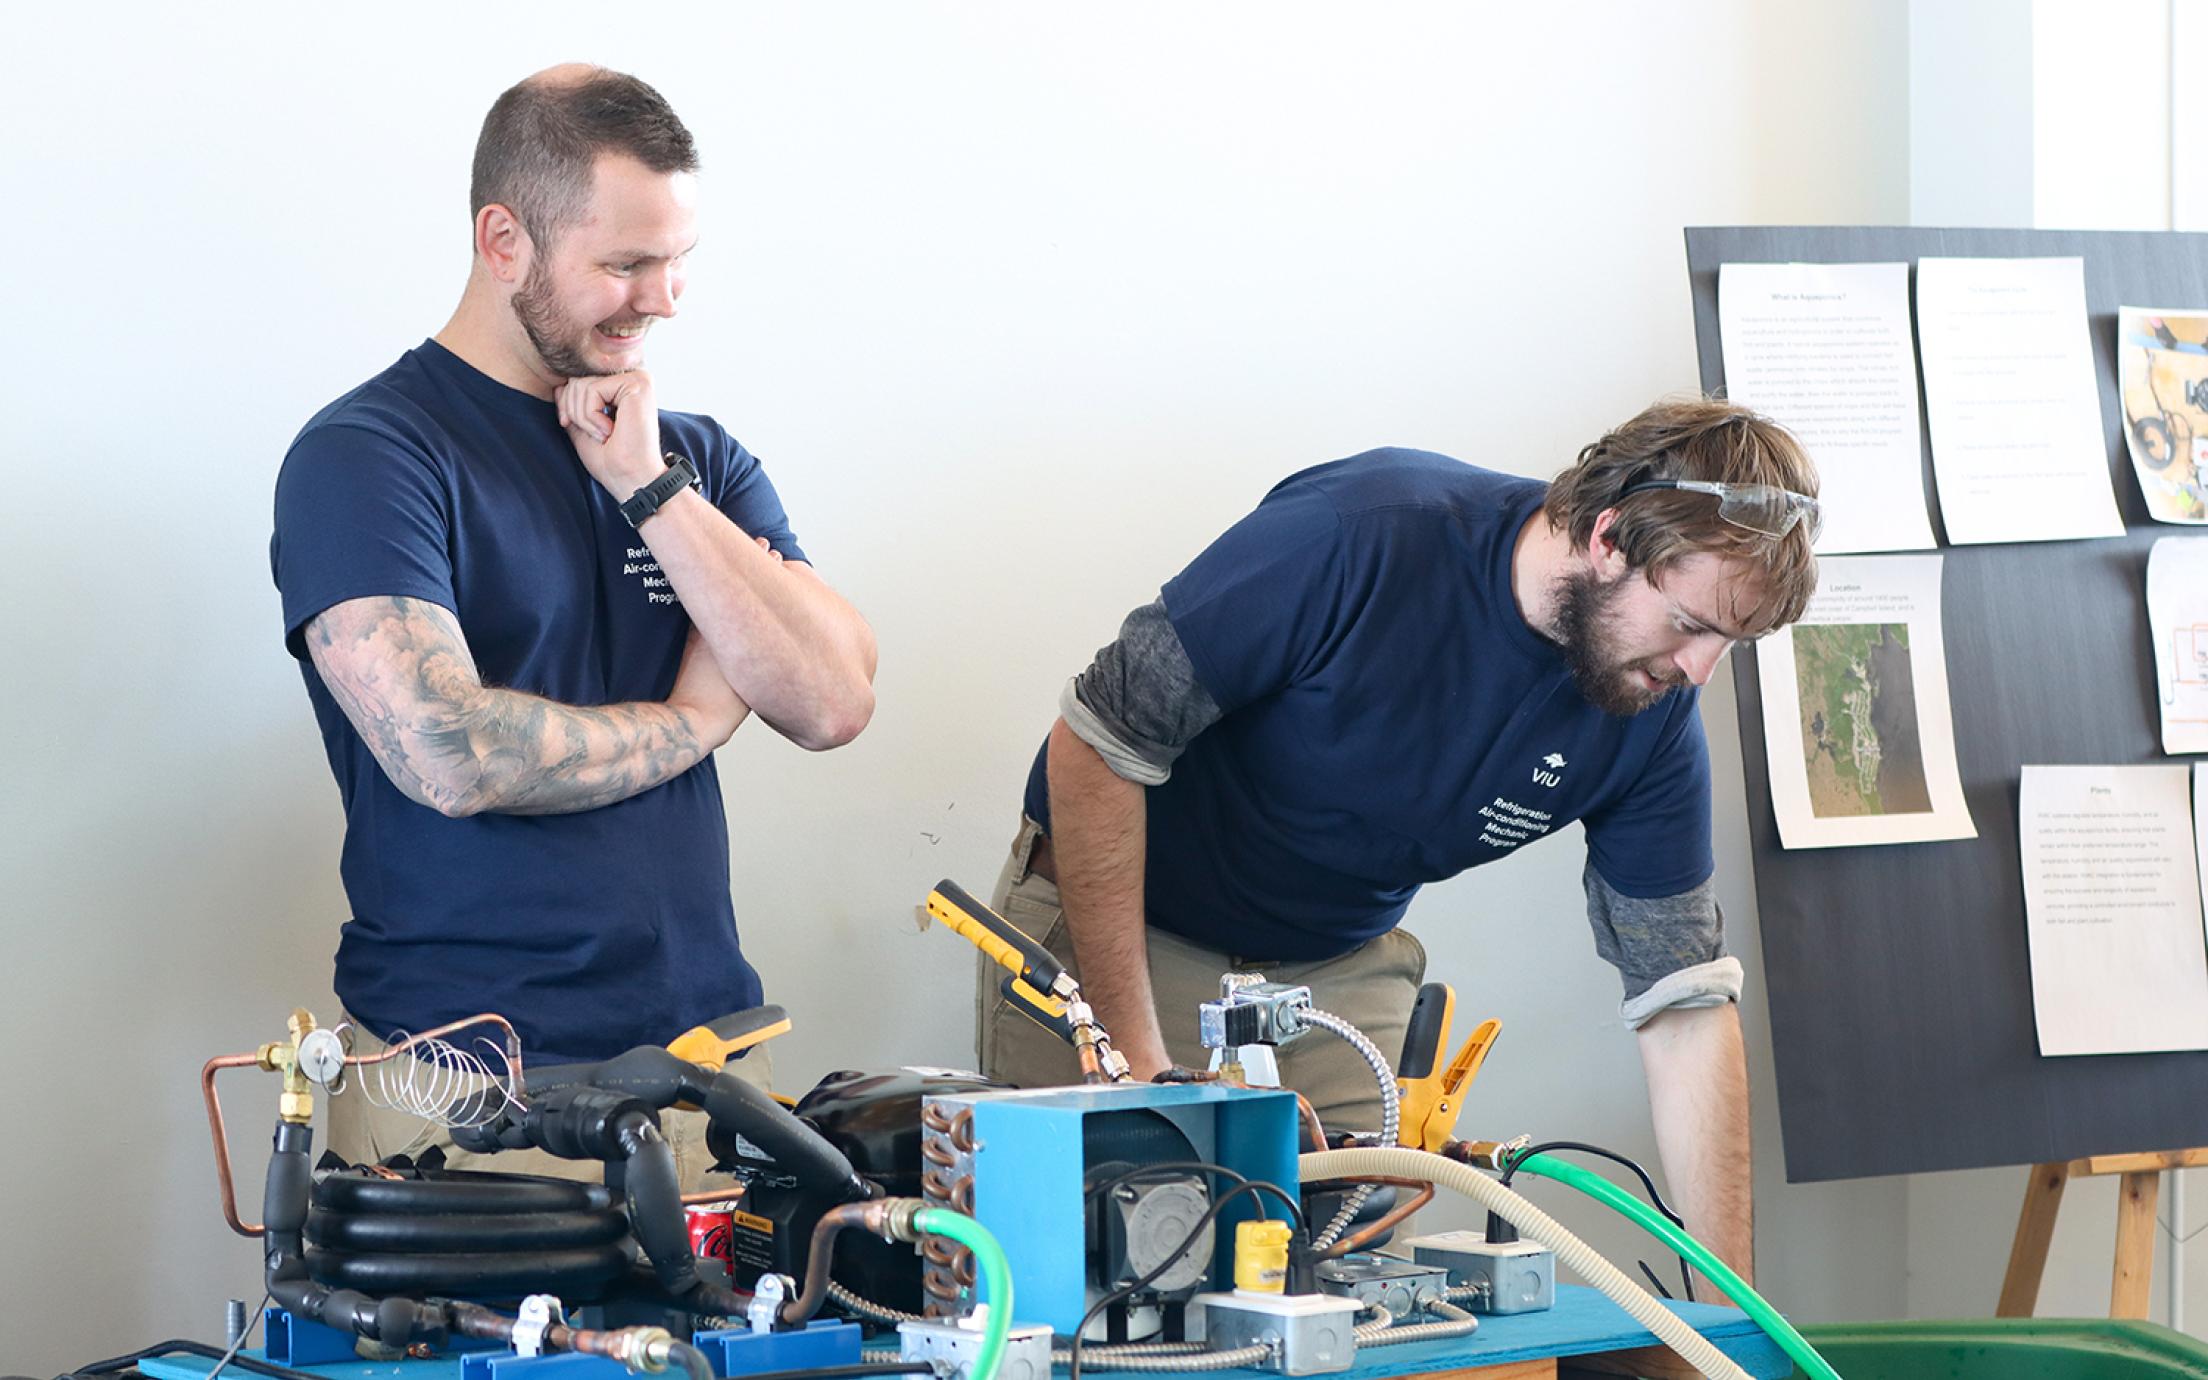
pixel 681 474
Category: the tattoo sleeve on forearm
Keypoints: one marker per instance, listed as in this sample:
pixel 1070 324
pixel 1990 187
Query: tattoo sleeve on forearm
pixel 401 671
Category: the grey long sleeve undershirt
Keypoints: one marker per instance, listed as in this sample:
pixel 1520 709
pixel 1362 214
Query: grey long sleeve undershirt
pixel 1139 704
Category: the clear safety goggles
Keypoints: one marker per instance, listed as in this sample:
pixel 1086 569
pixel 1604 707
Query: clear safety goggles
pixel 1764 508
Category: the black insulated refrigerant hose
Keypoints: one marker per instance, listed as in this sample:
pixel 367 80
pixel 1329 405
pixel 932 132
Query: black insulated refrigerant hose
pixel 471 1235
pixel 662 1079
pixel 579 1122
pixel 392 1321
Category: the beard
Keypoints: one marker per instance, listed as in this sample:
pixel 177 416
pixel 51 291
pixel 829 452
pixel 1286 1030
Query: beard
pixel 1587 634
pixel 552 333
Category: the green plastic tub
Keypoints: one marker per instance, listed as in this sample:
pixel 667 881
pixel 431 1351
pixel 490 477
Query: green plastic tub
pixel 2009 1349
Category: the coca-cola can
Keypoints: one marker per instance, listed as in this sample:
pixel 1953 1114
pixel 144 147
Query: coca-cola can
pixel 710 1227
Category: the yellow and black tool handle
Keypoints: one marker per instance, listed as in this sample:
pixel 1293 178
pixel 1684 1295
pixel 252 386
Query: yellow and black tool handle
pixel 1040 1007
pixel 718 1041
pixel 1006 943
pixel 1426 1041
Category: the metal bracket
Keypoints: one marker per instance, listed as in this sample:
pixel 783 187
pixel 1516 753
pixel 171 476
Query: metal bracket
pixel 764 1312
pixel 538 1313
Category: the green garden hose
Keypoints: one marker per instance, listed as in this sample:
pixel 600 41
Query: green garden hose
pixel 1748 1300
pixel 996 1279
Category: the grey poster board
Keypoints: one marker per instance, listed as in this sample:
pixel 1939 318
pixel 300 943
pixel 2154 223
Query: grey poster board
pixel 1898 977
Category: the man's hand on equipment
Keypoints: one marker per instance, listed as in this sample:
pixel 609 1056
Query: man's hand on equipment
pixel 613 422
pixel 702 693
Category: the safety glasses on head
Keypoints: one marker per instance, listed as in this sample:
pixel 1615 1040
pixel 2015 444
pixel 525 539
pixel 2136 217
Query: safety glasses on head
pixel 1764 508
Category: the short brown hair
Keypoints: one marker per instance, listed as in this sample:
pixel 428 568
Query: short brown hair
pixel 1695 438
pixel 541 140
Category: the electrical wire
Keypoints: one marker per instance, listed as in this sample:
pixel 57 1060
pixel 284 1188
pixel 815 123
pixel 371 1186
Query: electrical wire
pixel 1571 1252
pixel 1096 1187
pixel 1686 1275
pixel 115 1365
pixel 1253 1187
pixel 884 1367
pixel 1744 1297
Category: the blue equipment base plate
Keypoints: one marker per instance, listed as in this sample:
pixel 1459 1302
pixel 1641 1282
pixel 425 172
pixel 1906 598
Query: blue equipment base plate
pixel 1582 1323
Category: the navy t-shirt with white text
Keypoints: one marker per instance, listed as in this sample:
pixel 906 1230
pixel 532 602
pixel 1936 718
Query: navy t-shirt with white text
pixel 595 931
pixel 1390 719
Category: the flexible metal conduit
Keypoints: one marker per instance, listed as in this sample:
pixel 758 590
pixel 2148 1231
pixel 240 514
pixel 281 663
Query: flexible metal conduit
pixel 1391 1104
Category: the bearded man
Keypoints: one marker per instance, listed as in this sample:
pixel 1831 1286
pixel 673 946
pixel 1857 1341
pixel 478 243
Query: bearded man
pixel 528 606
pixel 1400 666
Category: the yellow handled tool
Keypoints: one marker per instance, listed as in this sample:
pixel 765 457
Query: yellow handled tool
pixel 1006 944
pixel 716 1042
pixel 1432 1093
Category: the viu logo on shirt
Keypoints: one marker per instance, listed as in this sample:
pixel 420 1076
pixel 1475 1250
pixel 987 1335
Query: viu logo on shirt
pixel 1551 777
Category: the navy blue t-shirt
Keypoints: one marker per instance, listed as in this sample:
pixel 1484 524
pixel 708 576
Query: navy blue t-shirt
pixel 1389 719
pixel 593 932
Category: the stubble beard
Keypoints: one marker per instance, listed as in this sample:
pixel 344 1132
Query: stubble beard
pixel 1586 635
pixel 550 333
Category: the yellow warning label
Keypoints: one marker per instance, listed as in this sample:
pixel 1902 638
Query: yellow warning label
pixel 753 1221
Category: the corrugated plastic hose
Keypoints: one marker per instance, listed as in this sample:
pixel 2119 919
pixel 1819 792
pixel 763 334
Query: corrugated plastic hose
pixel 1532 1222
pixel 1657 1225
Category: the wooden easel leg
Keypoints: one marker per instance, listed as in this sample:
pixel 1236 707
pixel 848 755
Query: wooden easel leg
pixel 2035 1230
pixel 2127 1296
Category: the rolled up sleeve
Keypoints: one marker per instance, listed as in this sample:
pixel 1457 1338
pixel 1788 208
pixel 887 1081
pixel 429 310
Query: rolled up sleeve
pixel 1668 950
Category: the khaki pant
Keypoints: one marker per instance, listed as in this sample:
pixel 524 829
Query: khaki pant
pixel 363 1132
pixel 1372 987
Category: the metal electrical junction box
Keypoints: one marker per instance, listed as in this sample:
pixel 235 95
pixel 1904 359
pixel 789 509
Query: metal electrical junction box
pixel 1513 1276
pixel 955 1346
pixel 1400 1286
pixel 1307 1334
pixel 1018 1161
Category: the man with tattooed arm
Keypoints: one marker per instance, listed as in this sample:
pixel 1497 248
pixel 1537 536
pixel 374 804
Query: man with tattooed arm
pixel 528 605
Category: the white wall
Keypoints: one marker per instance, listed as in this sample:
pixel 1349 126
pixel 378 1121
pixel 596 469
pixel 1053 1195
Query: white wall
pixel 1970 112
pixel 1021 305
pixel 2101 114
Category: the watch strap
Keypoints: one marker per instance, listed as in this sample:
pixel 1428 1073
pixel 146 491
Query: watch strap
pixel 680 475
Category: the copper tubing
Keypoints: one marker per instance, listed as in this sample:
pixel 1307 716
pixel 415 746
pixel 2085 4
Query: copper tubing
pixel 1092 1068
pixel 1394 1217
pixel 1311 1122
pixel 872 1216
pixel 222 1139
pixel 619 1344
pixel 215 1127
pixel 730 1194
pixel 943 1274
